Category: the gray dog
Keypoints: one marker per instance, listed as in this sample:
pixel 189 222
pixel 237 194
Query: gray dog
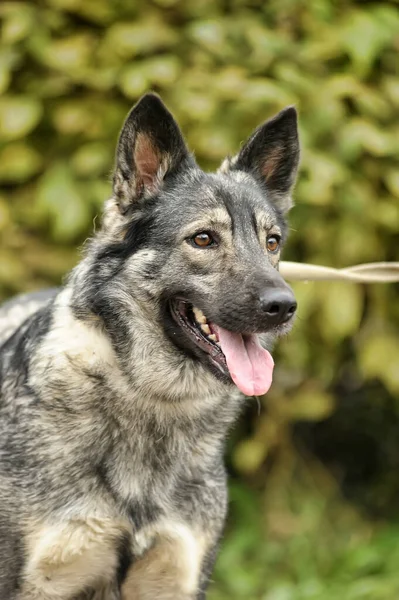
pixel 118 390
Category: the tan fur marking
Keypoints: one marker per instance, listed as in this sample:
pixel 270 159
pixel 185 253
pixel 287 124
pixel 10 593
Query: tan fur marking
pixel 216 218
pixel 265 228
pixel 265 222
pixel 170 569
pixel 65 558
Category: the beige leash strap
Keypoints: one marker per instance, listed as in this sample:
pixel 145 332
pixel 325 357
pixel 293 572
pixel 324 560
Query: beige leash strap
pixel 378 272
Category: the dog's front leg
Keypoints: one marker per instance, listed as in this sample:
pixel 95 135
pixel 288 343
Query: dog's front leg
pixel 106 592
pixel 171 569
pixel 75 559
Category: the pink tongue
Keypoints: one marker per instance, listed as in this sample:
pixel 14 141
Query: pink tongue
pixel 250 365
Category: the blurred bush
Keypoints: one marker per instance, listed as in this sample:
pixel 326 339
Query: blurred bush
pixel 69 72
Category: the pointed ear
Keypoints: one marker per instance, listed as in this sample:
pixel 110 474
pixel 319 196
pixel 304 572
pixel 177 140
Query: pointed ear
pixel 272 155
pixel 150 147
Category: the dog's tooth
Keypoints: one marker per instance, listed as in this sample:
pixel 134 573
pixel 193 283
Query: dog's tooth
pixel 212 337
pixel 199 315
pixel 205 328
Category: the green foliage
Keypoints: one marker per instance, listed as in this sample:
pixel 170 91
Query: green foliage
pixel 69 72
pixel 307 549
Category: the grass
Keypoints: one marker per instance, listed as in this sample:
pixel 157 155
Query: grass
pixel 302 545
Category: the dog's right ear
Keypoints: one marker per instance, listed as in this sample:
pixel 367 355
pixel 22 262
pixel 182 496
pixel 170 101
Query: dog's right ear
pixel 150 147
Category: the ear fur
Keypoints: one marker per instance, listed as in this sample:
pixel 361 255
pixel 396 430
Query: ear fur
pixel 150 147
pixel 271 154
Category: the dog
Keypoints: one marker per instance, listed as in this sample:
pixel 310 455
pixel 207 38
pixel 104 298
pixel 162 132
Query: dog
pixel 118 390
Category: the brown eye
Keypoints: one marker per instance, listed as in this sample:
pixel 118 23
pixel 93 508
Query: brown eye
pixel 273 243
pixel 202 240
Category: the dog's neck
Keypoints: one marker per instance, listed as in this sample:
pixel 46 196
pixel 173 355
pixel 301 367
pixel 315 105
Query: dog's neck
pixel 134 371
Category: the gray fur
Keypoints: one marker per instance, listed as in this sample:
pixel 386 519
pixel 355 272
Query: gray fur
pixel 112 420
pixel 19 308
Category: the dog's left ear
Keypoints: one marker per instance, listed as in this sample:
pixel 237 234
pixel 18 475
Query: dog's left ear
pixel 272 155
pixel 150 147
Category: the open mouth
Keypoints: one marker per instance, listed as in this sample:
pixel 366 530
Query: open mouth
pixel 237 356
pixel 193 321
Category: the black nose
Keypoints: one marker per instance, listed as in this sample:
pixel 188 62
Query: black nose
pixel 278 304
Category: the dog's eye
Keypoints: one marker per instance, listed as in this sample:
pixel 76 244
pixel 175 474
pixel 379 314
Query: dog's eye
pixel 202 240
pixel 273 243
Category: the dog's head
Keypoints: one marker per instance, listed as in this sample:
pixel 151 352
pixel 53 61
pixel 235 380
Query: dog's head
pixel 204 248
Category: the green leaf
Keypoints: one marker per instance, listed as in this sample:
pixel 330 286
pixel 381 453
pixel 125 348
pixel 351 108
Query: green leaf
pixel 18 23
pixel 249 455
pixel 11 267
pixel 5 214
pixel 72 117
pixel 162 70
pixel 324 172
pixel 210 34
pixel 18 162
pixel 19 115
pixel 365 34
pixel 97 11
pixel 129 39
pixel 5 77
pixel 309 405
pixel 361 134
pixel 133 81
pixel 340 310
pixel 392 181
pixel 262 90
pixel 69 54
pixel 92 159
pixel 391 89
pixel 59 198
pixel 379 357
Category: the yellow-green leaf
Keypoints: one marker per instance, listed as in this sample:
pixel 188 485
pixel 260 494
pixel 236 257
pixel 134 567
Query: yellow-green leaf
pixel 341 309
pixel 18 116
pixel 18 162
pixel 379 357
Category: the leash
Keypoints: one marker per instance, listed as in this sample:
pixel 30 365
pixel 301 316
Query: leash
pixel 378 272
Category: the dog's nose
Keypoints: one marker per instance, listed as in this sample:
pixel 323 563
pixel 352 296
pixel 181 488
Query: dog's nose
pixel 279 305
